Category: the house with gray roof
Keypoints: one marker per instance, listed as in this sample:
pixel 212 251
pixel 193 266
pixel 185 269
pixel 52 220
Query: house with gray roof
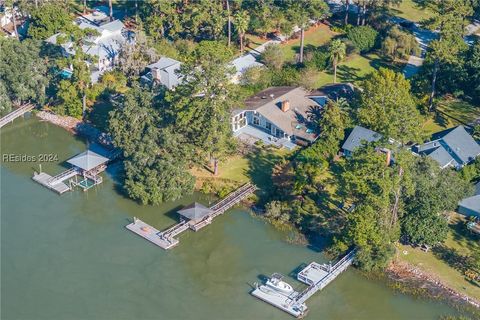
pixel 357 138
pixel 164 72
pixel 453 147
pixel 470 206
pixel 284 114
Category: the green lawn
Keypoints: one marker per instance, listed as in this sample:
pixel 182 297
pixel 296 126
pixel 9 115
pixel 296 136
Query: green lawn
pixel 314 37
pixel 355 68
pixel 451 113
pixel 458 239
pixel 411 10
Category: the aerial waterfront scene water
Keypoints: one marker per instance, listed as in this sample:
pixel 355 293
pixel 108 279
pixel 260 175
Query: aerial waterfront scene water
pixel 239 159
pixel 70 257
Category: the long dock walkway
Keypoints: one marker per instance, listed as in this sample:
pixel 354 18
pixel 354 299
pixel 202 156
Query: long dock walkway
pixel 16 113
pixel 316 276
pixel 166 239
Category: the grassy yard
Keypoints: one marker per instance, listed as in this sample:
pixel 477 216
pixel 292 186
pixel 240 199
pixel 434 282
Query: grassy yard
pixel 451 113
pixel 315 36
pixel 256 166
pixel 355 68
pixel 411 10
pixel 430 262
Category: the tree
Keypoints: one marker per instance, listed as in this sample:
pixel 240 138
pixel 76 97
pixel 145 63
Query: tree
pixel 337 53
pixel 399 44
pixel 273 56
pixel 363 38
pixel 436 191
pixel 333 121
pixel 47 20
pixel 388 107
pixel 241 22
pixel 201 105
pixel 23 72
pixel 134 57
pixel 449 19
pixel 376 190
pixel 301 12
pixel 156 158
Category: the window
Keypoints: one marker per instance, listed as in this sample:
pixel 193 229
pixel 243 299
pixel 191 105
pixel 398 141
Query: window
pixel 256 121
pixel 268 125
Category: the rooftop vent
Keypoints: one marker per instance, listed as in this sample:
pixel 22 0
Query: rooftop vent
pixel 264 97
pixel 272 95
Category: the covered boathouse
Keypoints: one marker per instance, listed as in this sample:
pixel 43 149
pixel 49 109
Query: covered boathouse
pixel 84 172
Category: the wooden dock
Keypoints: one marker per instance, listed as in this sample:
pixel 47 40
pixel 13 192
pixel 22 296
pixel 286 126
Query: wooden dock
pixel 166 239
pixel 16 113
pixel 316 276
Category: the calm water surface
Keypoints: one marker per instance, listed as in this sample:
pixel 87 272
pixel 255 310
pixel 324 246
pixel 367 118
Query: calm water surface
pixel 70 257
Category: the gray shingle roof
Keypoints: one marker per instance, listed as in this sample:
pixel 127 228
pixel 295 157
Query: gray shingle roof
pixel 471 203
pixel 358 136
pixel 195 211
pixel 452 146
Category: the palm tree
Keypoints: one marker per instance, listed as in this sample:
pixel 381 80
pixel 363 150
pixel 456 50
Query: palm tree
pixel 337 53
pixel 84 6
pixel 111 9
pixel 229 26
pixel 241 22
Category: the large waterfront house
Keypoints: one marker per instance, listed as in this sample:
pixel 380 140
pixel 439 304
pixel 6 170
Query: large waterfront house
pixel 357 138
pixel 284 115
pixel 105 46
pixel 163 72
pixel 453 147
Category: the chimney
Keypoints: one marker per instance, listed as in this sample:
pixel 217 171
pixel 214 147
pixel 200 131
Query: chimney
pixel 389 156
pixel 285 105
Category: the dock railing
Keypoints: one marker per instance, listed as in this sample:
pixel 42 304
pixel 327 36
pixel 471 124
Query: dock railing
pixel 16 113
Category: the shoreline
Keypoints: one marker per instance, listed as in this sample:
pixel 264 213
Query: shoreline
pixel 412 280
pixel 403 276
pixel 76 126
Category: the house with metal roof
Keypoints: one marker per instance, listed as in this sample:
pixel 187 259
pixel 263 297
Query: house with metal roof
pixel 282 115
pixel 470 206
pixel 453 147
pixel 164 72
pixel 105 46
pixel 357 138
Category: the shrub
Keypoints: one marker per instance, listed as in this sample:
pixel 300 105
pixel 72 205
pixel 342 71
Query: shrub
pixel 317 59
pixel 364 38
pixel 399 44
pixel 308 78
pixel 273 56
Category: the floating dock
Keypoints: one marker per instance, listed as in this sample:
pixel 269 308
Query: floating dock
pixel 316 276
pixel 46 179
pixel 198 217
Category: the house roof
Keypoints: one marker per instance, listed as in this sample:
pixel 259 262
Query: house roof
pixel 335 91
pixel 358 136
pixel 442 156
pixel 295 121
pixel 195 211
pixel 87 160
pixel 164 63
pixel 471 203
pixel 453 145
pixel 241 64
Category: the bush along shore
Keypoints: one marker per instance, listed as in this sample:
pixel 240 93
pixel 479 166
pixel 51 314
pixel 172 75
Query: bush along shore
pixel 411 280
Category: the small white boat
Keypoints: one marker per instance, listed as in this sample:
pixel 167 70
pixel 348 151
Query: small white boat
pixel 275 282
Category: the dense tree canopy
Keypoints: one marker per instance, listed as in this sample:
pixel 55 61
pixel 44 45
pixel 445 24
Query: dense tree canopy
pixel 388 107
pixel 49 19
pixel 23 72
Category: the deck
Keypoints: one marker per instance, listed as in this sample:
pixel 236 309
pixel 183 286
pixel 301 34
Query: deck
pixel 16 113
pixel 316 276
pixel 44 179
pixel 166 239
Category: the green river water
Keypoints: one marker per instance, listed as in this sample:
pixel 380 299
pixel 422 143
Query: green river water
pixel 70 257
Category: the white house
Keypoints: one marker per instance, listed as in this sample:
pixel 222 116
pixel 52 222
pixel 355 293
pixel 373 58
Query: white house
pixel 105 46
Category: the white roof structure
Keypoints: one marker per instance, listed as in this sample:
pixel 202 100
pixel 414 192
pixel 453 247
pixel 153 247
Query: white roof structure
pixel 87 160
